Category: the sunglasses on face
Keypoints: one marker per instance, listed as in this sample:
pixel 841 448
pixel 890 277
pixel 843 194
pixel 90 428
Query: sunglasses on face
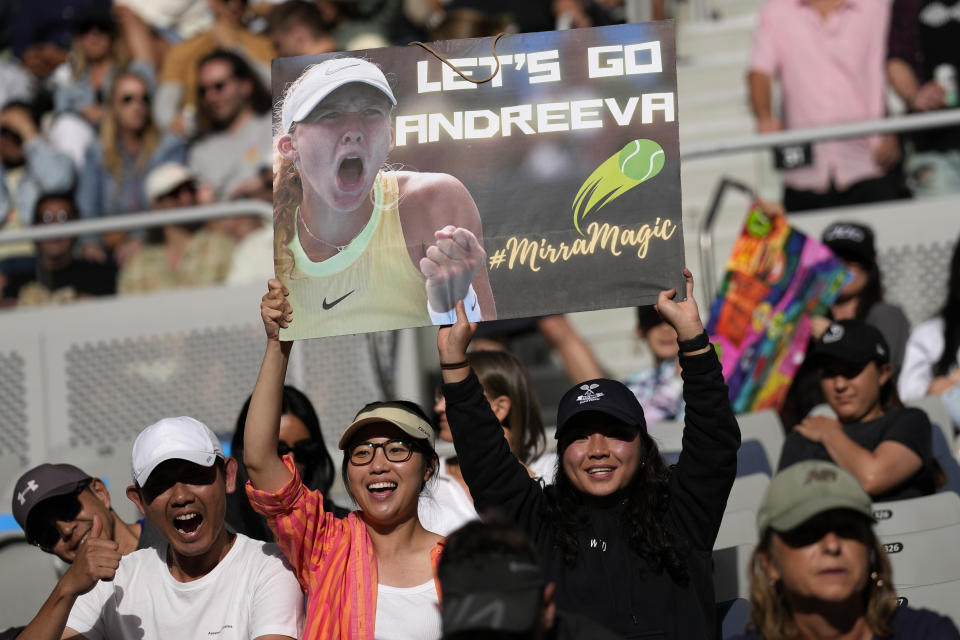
pixel 217 87
pixel 844 525
pixel 48 513
pixel 362 453
pixel 304 451
pixel 134 97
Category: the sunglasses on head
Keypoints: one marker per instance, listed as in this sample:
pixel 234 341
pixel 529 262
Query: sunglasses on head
pixel 48 513
pixel 132 97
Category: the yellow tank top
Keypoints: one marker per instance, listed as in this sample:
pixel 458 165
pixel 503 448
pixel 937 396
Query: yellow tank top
pixel 370 286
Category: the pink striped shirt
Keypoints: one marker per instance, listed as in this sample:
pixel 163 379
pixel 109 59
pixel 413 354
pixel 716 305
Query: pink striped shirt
pixel 333 559
pixel 831 71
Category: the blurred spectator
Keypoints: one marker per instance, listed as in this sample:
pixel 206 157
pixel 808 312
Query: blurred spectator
pixel 532 15
pixel 659 388
pixel 177 97
pixel 116 165
pixel 575 14
pixel 95 56
pixel 297 28
pixel 817 44
pixel 173 20
pixel 178 255
pixel 237 146
pixel 361 24
pixel 58 277
pixel 932 363
pixel 493 589
pixel 469 23
pixel 29 166
pixel 922 66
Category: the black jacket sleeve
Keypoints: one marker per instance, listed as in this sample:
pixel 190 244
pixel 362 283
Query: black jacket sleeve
pixel 704 474
pixel 496 478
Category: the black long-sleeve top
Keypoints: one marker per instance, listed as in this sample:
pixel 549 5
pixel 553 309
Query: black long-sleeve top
pixel 609 582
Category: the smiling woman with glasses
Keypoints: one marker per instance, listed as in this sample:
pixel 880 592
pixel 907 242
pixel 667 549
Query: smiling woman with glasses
pixel 370 575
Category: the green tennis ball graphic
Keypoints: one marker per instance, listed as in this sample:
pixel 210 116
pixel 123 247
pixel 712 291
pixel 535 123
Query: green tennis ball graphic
pixel 638 161
pixel 641 159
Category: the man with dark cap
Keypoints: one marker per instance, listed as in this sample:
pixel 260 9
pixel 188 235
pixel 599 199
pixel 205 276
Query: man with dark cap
pixel 493 588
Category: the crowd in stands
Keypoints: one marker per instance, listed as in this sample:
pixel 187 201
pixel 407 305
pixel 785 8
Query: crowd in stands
pixel 149 105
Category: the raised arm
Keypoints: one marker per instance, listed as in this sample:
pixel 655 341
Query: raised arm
pixel 495 476
pixel 707 466
pixel 262 431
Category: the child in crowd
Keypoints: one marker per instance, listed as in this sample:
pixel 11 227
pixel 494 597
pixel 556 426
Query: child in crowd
pixel 658 388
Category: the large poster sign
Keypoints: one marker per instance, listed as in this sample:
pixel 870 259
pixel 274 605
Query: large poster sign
pixel 552 186
pixel 776 279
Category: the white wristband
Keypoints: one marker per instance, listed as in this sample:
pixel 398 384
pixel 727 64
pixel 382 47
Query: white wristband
pixel 470 303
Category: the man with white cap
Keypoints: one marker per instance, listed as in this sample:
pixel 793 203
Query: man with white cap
pixel 381 249
pixel 205 581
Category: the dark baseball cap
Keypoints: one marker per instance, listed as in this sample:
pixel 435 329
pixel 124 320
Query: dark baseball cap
pixel 490 592
pixel 851 241
pixel 851 342
pixel 40 483
pixel 604 395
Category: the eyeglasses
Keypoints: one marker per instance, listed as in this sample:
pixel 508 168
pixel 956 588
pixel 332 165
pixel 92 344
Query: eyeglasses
pixel 58 216
pixel 304 451
pixel 138 97
pixel 217 87
pixel 48 513
pixel 362 453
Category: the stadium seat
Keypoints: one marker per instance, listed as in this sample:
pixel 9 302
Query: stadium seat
pixel 747 492
pixel 924 557
pixel 933 406
pixel 751 458
pixel 916 514
pixel 731 572
pixel 668 435
pixel 948 463
pixel 765 427
pixel 733 616
pixel 737 527
pixel 29 576
pixel 944 598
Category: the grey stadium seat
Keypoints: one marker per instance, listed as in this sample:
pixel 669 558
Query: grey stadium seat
pixel 924 557
pixel 916 514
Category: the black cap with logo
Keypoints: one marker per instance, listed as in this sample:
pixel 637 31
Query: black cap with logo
pixel 851 342
pixel 606 396
pixel 40 483
pixel 851 241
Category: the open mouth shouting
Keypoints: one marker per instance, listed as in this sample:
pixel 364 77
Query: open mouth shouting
pixel 187 525
pixel 350 173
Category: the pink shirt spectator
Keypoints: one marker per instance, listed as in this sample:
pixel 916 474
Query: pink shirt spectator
pixel 831 71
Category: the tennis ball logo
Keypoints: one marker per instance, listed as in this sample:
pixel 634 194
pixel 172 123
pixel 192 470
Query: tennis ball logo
pixel 638 161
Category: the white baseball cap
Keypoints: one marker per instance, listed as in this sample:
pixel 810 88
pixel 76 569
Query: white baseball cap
pixel 180 438
pixel 166 178
pixel 322 79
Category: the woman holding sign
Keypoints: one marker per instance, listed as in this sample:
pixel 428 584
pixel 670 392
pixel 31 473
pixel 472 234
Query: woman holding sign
pixel 627 540
pixel 361 247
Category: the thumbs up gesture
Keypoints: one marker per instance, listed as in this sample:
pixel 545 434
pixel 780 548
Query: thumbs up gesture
pixel 98 559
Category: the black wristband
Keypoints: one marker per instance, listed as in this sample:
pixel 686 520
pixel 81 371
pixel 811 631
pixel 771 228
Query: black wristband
pixel 694 344
pixel 454 365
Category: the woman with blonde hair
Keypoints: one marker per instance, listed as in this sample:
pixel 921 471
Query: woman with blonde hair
pixel 382 248
pixel 128 148
pixel 819 570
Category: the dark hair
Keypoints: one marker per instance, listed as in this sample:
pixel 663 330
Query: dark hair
pixel 419 444
pixel 502 374
pixel 299 12
pixel 648 318
pixel 59 195
pixel 487 538
pixel 647 499
pixel 260 99
pixel 318 475
pixel 951 317
pixel 872 292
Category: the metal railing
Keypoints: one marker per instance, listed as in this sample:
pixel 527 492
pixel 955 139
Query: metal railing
pixel 899 124
pixel 141 220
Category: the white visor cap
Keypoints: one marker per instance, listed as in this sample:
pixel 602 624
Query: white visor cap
pixel 322 79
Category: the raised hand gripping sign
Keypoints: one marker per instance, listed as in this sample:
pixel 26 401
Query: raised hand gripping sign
pixel 401 187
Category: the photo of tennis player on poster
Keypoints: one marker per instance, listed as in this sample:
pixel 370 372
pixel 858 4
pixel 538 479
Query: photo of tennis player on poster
pixel 388 185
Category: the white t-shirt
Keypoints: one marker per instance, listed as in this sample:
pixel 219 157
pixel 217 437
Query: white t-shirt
pixel 444 506
pixel 408 613
pixel 251 593
pixel 544 467
pixel 924 348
